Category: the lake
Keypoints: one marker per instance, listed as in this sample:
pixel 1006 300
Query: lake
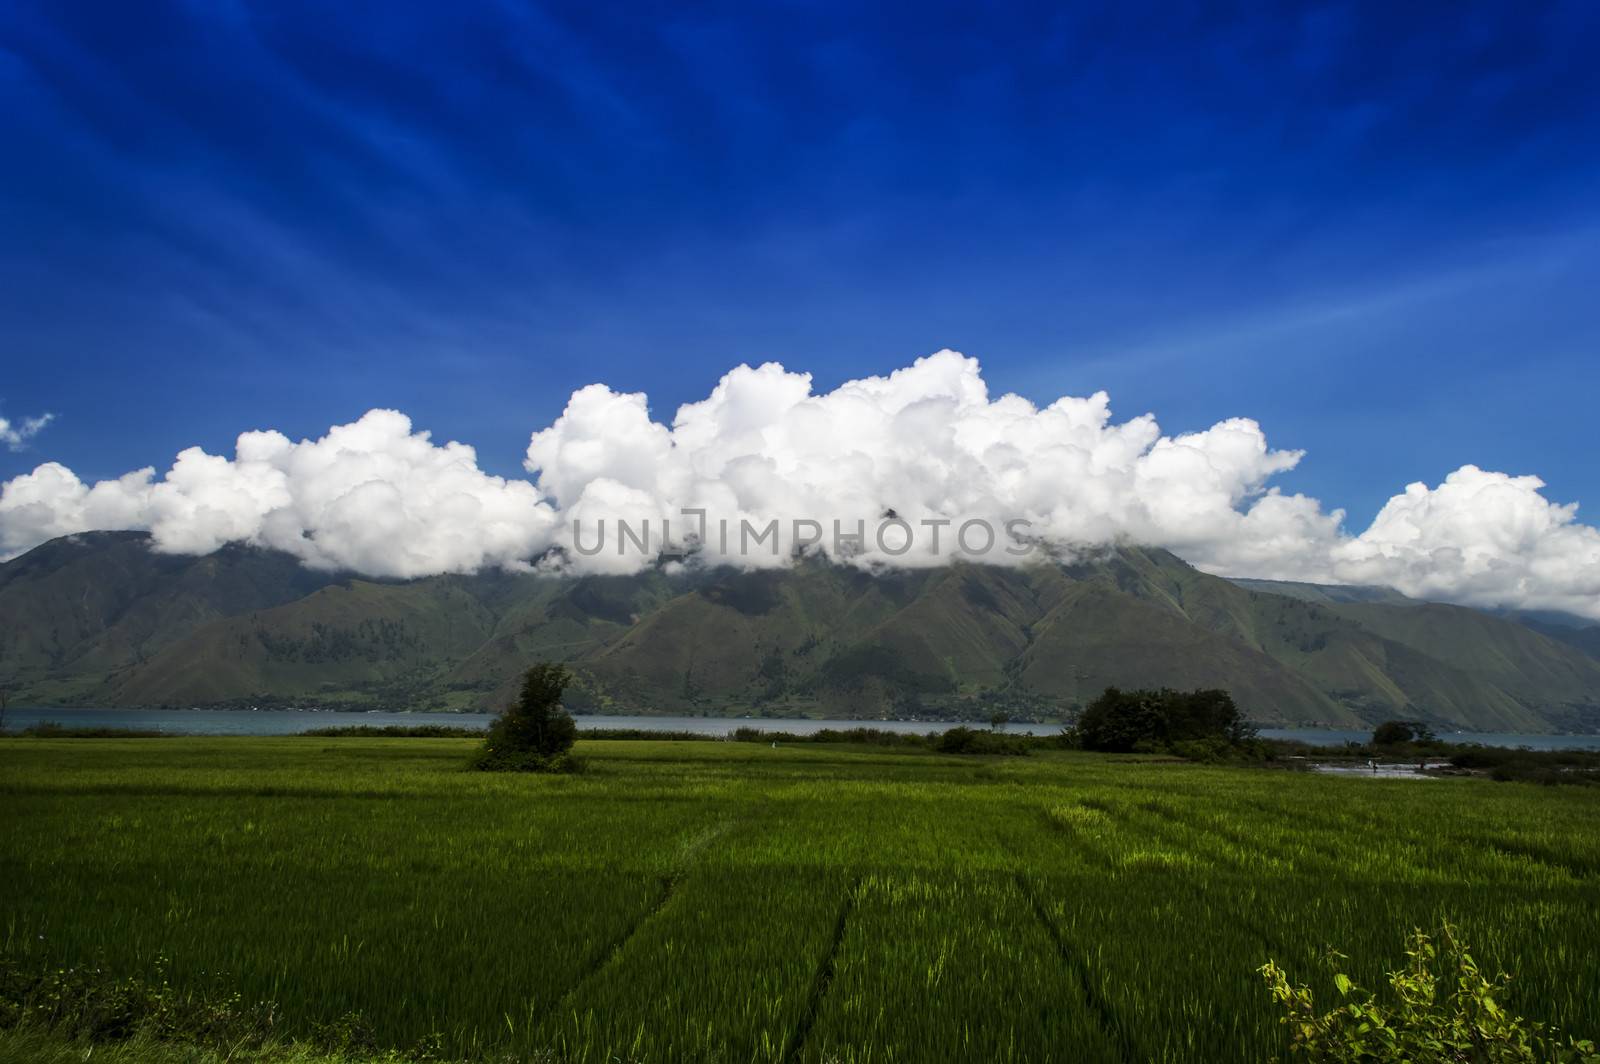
pixel 294 721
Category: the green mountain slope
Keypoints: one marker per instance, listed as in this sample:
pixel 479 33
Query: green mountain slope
pixel 1564 628
pixel 1528 667
pixel 76 609
pixel 102 620
pixel 1374 671
pixel 341 643
pixel 1326 594
pixel 1585 639
pixel 1100 636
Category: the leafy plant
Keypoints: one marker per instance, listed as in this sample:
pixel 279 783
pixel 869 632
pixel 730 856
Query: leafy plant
pixel 1444 1010
pixel 535 733
pixel 88 1003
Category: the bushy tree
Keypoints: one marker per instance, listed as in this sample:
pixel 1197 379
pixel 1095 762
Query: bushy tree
pixel 1121 721
pixel 1443 1009
pixel 535 733
pixel 1394 732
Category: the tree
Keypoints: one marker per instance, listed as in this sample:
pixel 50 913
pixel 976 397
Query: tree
pixel 1205 714
pixel 1122 721
pixel 1119 721
pixel 1393 732
pixel 535 733
pixel 999 719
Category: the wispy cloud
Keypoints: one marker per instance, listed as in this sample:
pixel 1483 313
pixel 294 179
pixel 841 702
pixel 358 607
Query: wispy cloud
pixel 16 435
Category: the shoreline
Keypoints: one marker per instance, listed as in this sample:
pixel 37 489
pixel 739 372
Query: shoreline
pixel 286 721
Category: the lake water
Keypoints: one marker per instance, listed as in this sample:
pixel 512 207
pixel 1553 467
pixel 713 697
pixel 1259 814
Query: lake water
pixel 294 721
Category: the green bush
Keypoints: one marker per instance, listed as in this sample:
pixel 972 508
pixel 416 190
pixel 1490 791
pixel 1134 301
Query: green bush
pixel 535 734
pixel 394 731
pixel 1212 750
pixel 636 734
pixel 1531 766
pixel 865 736
pixel 964 740
pixel 49 729
pixel 1396 732
pixel 1127 721
pixel 1443 1010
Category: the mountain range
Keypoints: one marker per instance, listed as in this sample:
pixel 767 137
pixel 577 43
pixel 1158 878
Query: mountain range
pixel 100 619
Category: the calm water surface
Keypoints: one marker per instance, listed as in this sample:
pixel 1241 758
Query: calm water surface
pixel 294 721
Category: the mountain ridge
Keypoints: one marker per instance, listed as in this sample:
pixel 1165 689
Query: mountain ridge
pixel 101 619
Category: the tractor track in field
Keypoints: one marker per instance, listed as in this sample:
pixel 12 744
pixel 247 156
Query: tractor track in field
pixel 1164 825
pixel 1105 1016
pixel 603 960
pixel 668 885
pixel 823 979
pixel 1169 827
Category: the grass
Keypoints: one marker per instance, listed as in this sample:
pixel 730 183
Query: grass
pixel 705 901
pixel 45 1047
pixel 51 730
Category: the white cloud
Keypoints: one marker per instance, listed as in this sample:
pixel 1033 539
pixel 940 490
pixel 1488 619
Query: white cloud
pixel 51 501
pixel 16 435
pixel 371 496
pixel 1482 538
pixel 927 442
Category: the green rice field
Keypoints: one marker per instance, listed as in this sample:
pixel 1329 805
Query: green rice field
pixel 720 901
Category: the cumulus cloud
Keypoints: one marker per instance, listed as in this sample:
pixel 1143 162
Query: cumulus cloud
pixel 15 435
pixel 372 496
pixel 926 443
pixel 765 467
pixel 1480 537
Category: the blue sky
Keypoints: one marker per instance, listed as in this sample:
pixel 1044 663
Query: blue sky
pixel 1371 227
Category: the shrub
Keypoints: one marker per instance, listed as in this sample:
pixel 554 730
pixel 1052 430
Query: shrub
pixel 535 733
pixel 1530 766
pixel 1395 732
pixel 49 729
pixel 1209 750
pixel 1444 1009
pixel 652 734
pixel 1126 721
pixel 865 736
pixel 756 735
pixel 964 740
pixel 394 731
